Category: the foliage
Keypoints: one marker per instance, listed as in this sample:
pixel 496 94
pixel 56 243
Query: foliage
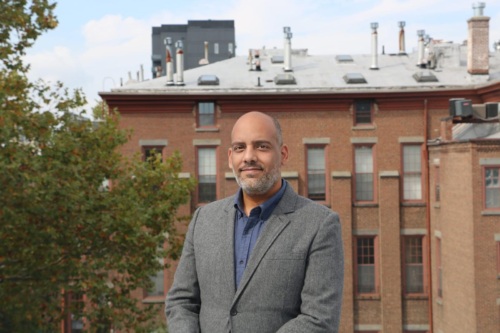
pixel 63 231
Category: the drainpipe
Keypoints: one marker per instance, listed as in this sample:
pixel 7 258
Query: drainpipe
pixel 428 213
pixel 374 26
pixel 287 49
pixel 180 64
pixel 168 61
pixel 401 25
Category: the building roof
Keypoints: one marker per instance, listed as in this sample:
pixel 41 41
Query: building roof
pixel 328 74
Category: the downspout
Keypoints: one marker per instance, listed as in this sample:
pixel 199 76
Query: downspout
pixel 428 212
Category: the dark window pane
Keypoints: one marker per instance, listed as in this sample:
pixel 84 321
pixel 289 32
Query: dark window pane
pixel 206 114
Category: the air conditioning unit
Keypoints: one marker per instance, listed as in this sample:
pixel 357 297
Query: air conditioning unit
pixel 460 107
pixel 492 110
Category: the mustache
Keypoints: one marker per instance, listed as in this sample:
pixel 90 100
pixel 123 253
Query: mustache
pixel 251 164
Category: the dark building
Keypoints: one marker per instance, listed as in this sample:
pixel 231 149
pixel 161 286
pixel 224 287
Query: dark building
pixel 219 35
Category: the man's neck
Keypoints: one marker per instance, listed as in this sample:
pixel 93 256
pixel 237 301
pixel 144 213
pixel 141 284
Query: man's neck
pixel 252 201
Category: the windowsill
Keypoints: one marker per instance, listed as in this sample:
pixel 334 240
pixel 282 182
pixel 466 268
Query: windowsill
pixel 207 129
pixel 439 301
pixel 413 204
pixel 490 213
pixel 153 299
pixel 416 297
pixel 365 204
pixel 374 297
pixel 363 127
pixel 437 205
pixel 322 202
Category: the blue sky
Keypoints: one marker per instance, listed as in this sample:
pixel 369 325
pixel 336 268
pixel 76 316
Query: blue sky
pixel 98 42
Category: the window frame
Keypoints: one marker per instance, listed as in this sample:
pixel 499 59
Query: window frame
pixel 411 173
pixel 423 264
pixel 376 264
pixel 213 122
pixel 485 187
pixel 370 114
pixel 326 178
pixel 355 178
pixel 197 173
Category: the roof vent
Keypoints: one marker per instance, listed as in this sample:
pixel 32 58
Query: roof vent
pixel 425 76
pixel 460 107
pixel 208 80
pixel 343 58
pixel 354 78
pixel 277 59
pixel 282 79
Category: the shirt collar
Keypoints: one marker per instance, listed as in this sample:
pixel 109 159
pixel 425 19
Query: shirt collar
pixel 267 207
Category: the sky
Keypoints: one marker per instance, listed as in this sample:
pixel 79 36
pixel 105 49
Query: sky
pixel 98 42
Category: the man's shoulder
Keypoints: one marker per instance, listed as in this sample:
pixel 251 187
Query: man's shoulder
pixel 218 206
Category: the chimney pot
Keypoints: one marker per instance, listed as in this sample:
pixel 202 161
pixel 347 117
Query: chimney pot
pixel 478 8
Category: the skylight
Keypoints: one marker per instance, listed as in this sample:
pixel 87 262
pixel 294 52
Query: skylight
pixel 343 58
pixel 208 80
pixel 354 78
pixel 425 76
pixel 284 79
pixel 277 59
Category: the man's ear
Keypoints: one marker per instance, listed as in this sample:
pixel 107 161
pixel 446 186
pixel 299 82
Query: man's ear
pixel 284 154
pixel 230 163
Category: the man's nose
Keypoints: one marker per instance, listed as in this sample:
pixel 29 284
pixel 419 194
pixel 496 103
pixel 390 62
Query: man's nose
pixel 250 155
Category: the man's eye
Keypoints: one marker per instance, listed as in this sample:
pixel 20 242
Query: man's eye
pixel 263 146
pixel 238 148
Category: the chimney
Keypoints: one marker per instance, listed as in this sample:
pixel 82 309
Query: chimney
pixel 287 49
pixel 168 61
pixel 204 61
pixel 477 41
pixel 180 64
pixel 250 60
pixel 421 48
pixel 374 26
pixel 142 73
pixel 401 25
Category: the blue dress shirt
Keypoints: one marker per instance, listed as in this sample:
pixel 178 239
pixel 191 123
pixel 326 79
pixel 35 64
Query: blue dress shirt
pixel 247 229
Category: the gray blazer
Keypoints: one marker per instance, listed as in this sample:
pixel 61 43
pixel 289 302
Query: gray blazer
pixel 292 283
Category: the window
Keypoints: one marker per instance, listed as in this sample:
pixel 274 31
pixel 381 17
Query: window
pixel 73 322
pixel 216 48
pixel 206 114
pixel 363 163
pixel 366 265
pixel 498 259
pixel 413 265
pixel 412 172
pixel 316 176
pixel 492 187
pixel 147 152
pixel 439 268
pixel 363 112
pixel 158 287
pixel 437 184
pixel 230 48
pixel 206 175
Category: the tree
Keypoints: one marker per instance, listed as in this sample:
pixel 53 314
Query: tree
pixel 78 220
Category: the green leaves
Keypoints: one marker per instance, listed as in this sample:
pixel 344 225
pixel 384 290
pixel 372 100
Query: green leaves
pixel 62 232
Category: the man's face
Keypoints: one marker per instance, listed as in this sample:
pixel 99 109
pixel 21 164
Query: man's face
pixel 255 154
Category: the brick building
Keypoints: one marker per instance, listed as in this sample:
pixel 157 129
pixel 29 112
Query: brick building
pixel 368 136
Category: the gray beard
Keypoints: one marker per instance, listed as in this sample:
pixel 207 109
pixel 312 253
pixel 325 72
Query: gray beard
pixel 258 186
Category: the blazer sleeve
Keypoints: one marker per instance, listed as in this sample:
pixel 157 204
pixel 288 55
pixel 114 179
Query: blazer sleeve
pixel 182 306
pixel 323 284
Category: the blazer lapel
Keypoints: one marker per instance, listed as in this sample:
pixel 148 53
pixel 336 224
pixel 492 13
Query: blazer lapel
pixel 228 248
pixel 272 229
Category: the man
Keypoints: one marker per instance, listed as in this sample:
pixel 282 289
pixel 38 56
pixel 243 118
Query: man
pixel 266 260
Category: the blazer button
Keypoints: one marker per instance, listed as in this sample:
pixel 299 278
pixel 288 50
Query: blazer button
pixel 233 312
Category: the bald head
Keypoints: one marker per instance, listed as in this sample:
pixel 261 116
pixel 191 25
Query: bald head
pixel 257 118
